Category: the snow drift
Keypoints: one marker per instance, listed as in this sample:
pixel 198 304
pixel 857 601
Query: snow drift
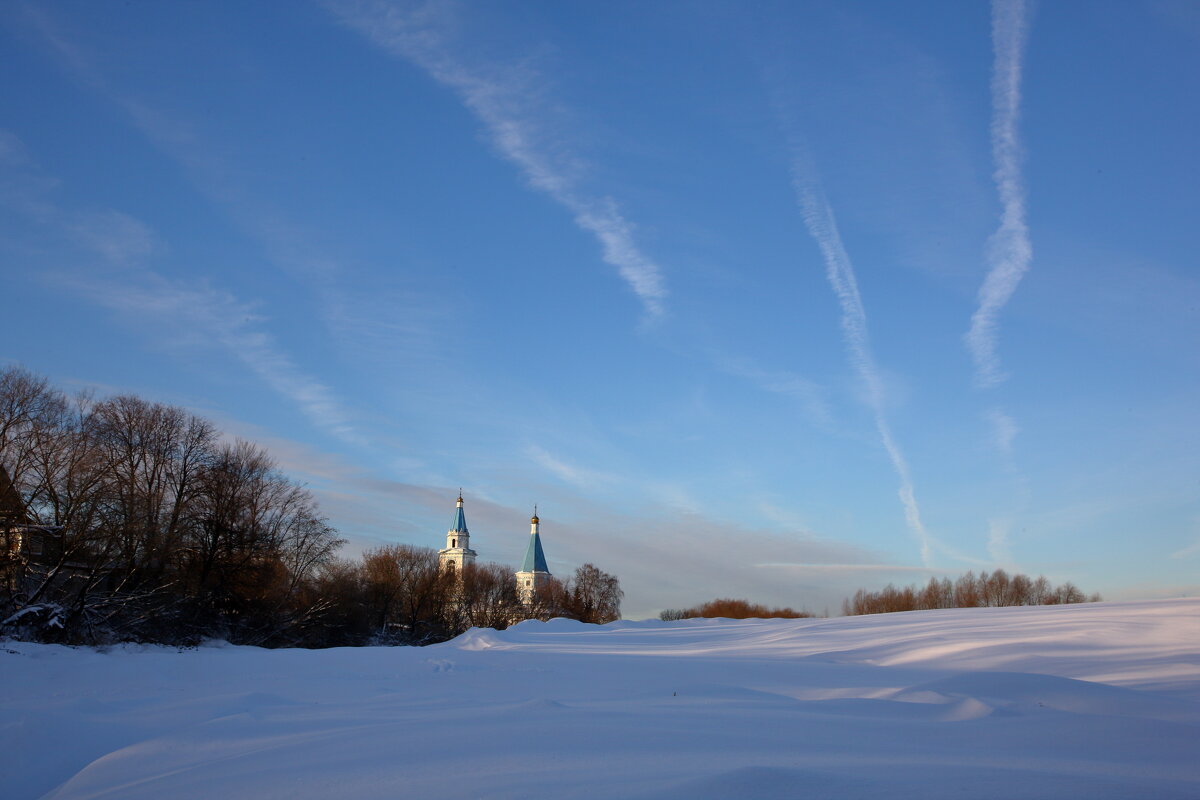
pixel 1097 701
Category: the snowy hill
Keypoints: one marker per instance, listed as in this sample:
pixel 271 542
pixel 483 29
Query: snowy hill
pixel 1096 701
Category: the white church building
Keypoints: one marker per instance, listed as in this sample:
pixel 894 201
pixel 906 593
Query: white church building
pixel 533 573
pixel 457 554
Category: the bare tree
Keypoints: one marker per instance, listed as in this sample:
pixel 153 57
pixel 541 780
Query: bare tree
pixel 408 594
pixel 593 595
pixel 154 455
pixel 485 597
pixel 966 592
pixel 28 406
pixel 345 621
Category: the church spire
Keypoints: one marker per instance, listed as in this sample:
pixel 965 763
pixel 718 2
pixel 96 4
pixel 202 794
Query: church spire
pixel 534 573
pixel 458 552
pixel 460 520
pixel 535 559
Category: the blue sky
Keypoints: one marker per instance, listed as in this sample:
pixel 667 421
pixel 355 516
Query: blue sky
pixel 770 301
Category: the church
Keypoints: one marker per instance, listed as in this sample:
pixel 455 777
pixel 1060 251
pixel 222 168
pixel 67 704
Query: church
pixel 457 554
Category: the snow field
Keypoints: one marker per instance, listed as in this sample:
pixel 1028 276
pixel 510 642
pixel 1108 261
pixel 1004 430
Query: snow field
pixel 1095 701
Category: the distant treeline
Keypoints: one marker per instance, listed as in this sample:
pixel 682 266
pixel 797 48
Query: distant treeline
pixel 397 594
pixel 127 520
pixel 732 609
pixel 996 588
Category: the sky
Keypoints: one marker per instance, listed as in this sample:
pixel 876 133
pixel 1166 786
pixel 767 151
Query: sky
pixel 772 301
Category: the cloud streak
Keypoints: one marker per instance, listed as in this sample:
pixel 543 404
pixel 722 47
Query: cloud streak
pixel 569 473
pixel 136 292
pixel 819 219
pixel 1004 431
pixel 998 541
pixel 229 323
pixel 809 395
pixel 505 99
pixel 847 568
pixel 708 557
pixel 1009 251
pixel 1191 550
pixel 365 322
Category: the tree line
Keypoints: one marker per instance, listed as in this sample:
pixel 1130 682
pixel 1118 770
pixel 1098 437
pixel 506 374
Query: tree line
pixel 732 609
pixel 996 588
pixel 123 519
pixel 399 594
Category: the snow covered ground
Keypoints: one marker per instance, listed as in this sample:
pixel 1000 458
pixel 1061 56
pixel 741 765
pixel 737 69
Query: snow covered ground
pixel 1089 701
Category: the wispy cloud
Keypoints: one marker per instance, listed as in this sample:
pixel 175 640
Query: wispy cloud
pixel 998 542
pixel 848 568
pixel 579 476
pixel 13 152
pixel 22 188
pixel 819 219
pixel 188 311
pixel 506 98
pixel 1009 251
pixel 230 323
pixel 1191 550
pixel 1004 431
pixel 810 395
pixel 709 557
pixel 118 237
pixel 1186 552
pixel 391 320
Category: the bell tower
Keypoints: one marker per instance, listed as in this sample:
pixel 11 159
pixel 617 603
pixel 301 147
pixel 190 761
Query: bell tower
pixel 534 573
pixel 458 552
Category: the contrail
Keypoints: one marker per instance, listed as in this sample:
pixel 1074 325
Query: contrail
pixel 818 218
pixel 1009 251
pixel 504 98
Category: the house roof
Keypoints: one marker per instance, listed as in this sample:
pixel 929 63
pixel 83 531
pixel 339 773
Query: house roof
pixel 12 507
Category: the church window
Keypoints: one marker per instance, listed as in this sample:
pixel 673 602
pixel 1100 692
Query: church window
pixel 454 542
pixel 528 582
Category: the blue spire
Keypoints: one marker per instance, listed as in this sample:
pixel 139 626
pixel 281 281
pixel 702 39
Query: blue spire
pixel 460 521
pixel 535 559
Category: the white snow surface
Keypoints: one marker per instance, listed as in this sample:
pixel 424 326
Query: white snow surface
pixel 1095 701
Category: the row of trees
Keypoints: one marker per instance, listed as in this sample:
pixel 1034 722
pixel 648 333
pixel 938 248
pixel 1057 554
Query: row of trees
pixel 397 594
pixel 996 588
pixel 150 525
pixel 732 609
